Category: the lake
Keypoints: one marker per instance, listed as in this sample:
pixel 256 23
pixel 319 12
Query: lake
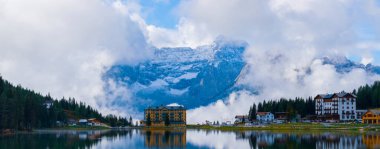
pixel 191 138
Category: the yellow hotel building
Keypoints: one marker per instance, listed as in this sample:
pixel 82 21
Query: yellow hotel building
pixel 371 117
pixel 165 116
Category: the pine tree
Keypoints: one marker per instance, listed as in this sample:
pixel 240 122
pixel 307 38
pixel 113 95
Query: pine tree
pixel 130 121
pixel 253 112
pixel 250 113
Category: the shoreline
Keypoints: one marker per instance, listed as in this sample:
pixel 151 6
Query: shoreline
pixel 295 127
pixel 269 127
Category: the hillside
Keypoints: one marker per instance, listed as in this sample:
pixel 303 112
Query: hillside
pixel 192 77
pixel 21 108
pixel 196 77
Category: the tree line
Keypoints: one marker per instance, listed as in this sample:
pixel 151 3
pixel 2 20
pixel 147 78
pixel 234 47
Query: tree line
pixel 368 97
pixel 295 106
pixel 24 109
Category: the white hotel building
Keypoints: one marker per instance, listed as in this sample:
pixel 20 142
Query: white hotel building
pixel 338 106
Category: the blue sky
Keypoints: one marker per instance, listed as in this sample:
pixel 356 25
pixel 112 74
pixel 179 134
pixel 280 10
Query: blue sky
pixel 163 14
pixel 92 37
pixel 160 13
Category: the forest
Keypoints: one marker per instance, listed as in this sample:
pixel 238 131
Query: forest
pixel 24 109
pixel 368 97
pixel 293 106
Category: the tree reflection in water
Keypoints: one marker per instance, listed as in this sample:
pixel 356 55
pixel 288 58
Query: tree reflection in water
pixel 181 138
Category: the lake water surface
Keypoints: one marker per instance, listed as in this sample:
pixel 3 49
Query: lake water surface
pixel 138 138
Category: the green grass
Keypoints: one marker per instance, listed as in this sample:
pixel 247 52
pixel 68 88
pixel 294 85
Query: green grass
pixel 81 128
pixel 295 126
pixel 163 128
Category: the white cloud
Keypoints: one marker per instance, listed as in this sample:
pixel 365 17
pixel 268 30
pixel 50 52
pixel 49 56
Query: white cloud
pixel 174 105
pixel 285 39
pixel 366 60
pixel 221 110
pixel 215 139
pixel 184 35
pixel 63 47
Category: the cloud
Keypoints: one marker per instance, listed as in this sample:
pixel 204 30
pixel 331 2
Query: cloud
pixel 215 139
pixel 221 110
pixel 286 39
pixel 63 47
pixel 184 35
pixel 174 105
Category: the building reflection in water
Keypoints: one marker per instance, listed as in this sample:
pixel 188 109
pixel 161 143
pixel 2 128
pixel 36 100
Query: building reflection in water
pixel 165 138
pixel 331 141
pixel 140 138
pixel 371 140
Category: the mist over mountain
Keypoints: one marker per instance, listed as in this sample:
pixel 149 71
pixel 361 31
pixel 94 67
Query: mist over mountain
pixel 194 77
pixel 190 77
pixel 344 65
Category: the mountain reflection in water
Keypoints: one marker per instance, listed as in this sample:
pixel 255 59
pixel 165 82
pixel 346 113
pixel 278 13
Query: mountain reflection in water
pixel 181 138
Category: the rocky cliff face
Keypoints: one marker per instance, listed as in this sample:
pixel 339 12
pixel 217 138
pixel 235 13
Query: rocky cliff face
pixel 190 77
pixel 193 77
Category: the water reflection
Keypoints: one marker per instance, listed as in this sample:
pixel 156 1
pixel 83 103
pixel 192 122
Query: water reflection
pixel 165 138
pixel 181 138
pixel 305 140
pixel 371 140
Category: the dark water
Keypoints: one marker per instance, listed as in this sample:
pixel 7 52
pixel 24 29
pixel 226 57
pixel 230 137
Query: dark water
pixel 136 139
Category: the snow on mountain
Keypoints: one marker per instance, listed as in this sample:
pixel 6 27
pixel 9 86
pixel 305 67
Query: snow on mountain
pixel 343 65
pixel 194 77
pixel 190 77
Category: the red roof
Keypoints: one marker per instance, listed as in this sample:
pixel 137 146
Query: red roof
pixel 262 113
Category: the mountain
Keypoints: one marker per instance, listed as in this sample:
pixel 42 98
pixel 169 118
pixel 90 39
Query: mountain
pixel 193 77
pixel 25 109
pixel 343 65
pixel 190 77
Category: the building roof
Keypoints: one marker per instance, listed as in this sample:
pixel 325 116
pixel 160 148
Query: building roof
pixel 329 96
pixel 82 121
pixel 361 110
pixel 324 96
pixel 166 107
pixel 375 111
pixel 262 113
pixel 282 113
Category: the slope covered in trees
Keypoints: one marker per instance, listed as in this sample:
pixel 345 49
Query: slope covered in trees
pixel 21 108
pixel 368 96
pixel 293 106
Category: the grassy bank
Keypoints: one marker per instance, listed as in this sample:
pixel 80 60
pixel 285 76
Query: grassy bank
pixel 80 128
pixel 294 126
pixel 164 128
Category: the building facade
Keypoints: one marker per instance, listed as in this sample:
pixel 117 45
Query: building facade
pixel 165 116
pixel 264 116
pixel 241 119
pixel 338 106
pixel 360 114
pixel 371 117
pixel 281 117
